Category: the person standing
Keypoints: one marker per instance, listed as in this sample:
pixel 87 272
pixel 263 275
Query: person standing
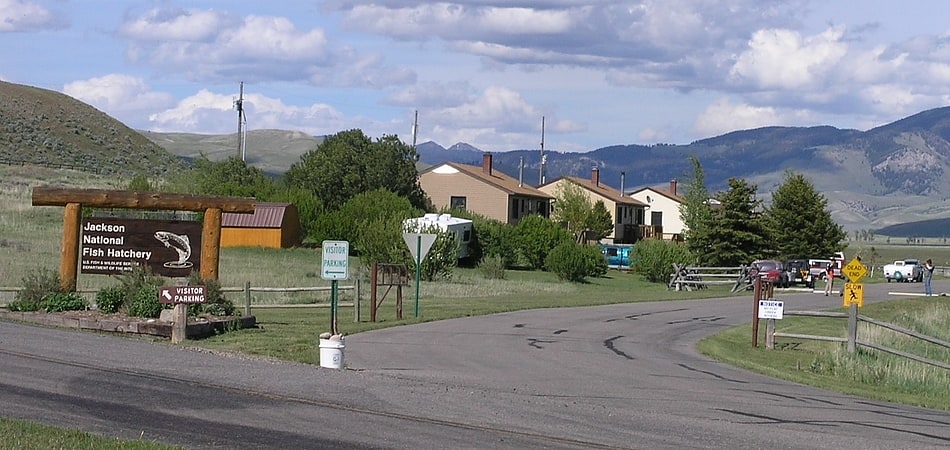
pixel 829 277
pixel 928 275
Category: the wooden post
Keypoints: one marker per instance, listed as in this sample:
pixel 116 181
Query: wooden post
pixel 69 256
pixel 210 243
pixel 770 334
pixel 373 279
pixel 756 296
pixel 247 298
pixel 356 300
pixel 179 323
pixel 852 327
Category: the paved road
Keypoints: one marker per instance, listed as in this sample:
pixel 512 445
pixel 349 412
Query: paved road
pixel 620 376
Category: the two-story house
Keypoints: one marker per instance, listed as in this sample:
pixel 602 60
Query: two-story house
pixel 664 209
pixel 626 212
pixel 483 190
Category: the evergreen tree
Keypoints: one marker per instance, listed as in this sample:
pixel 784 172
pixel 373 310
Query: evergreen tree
pixel 696 214
pixel 600 222
pixel 737 233
pixel 799 221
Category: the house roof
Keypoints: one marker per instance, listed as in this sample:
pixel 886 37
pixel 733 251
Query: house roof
pixel 265 215
pixel 666 192
pixel 499 180
pixel 603 191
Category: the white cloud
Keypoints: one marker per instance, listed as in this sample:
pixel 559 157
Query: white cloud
pixel 209 112
pixel 212 46
pixel 117 93
pixel 24 16
pixel 783 59
pixel 723 117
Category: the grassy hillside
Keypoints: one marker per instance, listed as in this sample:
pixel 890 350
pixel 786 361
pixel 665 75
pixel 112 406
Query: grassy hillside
pixel 45 127
pixel 272 151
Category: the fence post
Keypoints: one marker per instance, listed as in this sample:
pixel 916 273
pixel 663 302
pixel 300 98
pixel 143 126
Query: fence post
pixel 247 298
pixel 356 300
pixel 852 327
pixel 770 334
pixel 756 296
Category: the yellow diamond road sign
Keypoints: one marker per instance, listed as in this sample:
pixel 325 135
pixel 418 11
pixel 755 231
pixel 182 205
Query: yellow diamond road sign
pixel 855 270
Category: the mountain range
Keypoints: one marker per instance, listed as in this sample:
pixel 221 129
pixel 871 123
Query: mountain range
pixel 890 175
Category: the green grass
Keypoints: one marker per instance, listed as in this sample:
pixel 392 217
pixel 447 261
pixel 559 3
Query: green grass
pixel 24 435
pixel 867 373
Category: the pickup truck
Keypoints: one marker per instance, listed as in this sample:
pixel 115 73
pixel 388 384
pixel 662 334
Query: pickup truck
pixel 906 270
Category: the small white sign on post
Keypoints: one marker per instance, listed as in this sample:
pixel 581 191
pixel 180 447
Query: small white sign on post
pixel 336 260
pixel 771 309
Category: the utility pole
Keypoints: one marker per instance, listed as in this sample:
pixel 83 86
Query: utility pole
pixel 415 129
pixel 544 158
pixel 239 105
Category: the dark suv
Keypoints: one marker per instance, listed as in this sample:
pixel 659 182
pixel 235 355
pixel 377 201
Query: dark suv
pixel 799 273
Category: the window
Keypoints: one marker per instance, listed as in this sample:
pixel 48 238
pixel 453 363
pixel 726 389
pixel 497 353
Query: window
pixel 457 202
pixel 656 218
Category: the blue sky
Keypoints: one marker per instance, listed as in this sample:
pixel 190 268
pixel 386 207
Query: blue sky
pixel 485 72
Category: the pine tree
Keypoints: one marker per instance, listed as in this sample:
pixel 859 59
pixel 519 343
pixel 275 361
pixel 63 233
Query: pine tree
pixel 799 221
pixel 737 233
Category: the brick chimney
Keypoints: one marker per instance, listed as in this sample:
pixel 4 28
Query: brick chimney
pixel 486 163
pixel 673 187
pixel 595 177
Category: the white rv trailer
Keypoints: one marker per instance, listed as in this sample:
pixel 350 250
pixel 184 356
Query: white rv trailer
pixel 461 228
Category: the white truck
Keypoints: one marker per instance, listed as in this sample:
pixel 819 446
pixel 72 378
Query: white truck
pixel 907 270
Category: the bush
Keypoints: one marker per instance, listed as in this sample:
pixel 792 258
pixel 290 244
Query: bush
pixel 111 299
pixel 655 258
pixel 442 256
pixel 64 301
pixel 36 286
pixel 537 236
pixel 573 262
pixel 492 267
pixel 493 238
pixel 144 302
pixel 216 304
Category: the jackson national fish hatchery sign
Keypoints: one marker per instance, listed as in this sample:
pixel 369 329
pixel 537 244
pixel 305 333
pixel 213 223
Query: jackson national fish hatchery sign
pixel 112 245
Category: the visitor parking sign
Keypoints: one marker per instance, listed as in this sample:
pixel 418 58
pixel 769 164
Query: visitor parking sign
pixel 336 260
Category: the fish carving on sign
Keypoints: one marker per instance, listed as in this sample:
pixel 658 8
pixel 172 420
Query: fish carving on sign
pixel 178 242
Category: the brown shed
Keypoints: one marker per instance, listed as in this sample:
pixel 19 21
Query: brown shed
pixel 272 225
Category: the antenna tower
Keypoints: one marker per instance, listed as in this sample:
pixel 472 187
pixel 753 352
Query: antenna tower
pixel 415 129
pixel 242 125
pixel 544 158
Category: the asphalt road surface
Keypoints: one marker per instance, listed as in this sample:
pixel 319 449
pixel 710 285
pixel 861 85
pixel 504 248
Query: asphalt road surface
pixel 619 376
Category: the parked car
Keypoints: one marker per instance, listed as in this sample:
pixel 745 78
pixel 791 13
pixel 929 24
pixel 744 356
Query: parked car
pixel 906 270
pixel 618 256
pixel 799 272
pixel 818 268
pixel 769 270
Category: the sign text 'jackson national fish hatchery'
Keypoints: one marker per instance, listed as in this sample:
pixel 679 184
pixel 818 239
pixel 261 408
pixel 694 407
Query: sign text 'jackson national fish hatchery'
pixel 112 245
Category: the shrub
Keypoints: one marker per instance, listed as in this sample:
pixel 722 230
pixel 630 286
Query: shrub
pixel 655 258
pixel 37 285
pixel 216 304
pixel 493 238
pixel 442 256
pixel 573 262
pixel 144 302
pixel 537 236
pixel 492 267
pixel 64 301
pixel 111 299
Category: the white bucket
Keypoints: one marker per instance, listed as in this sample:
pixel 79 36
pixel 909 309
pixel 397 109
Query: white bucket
pixel 331 353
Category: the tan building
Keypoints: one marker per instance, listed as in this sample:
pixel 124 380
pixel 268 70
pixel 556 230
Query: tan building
pixel 483 190
pixel 271 225
pixel 663 209
pixel 627 213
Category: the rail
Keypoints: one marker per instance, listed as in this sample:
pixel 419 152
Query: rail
pixel 695 277
pixel 852 338
pixel 247 291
